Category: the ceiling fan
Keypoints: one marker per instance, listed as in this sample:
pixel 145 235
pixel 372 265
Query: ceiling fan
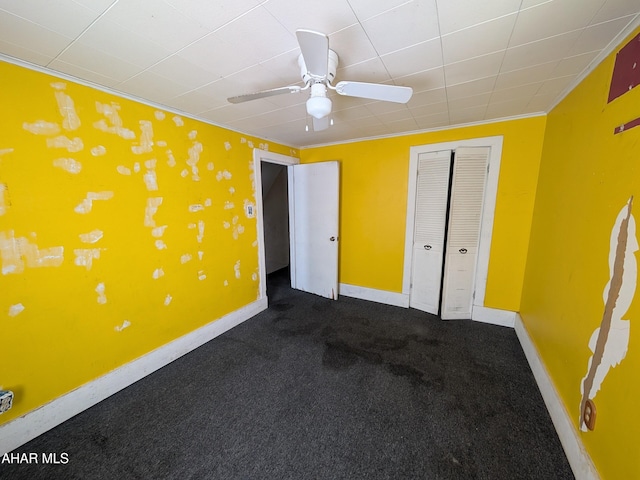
pixel 318 65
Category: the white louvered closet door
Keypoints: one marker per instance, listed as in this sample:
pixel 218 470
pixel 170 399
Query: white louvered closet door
pixel 432 194
pixel 465 217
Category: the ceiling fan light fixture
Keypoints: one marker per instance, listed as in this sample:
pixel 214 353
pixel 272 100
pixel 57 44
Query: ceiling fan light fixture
pixel 318 105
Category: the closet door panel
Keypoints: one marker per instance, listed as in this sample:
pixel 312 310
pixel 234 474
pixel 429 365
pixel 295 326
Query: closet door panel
pixel 430 221
pixel 465 218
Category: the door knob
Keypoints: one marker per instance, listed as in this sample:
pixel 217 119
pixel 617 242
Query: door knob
pixel 427 247
pixel 333 239
pixel 463 250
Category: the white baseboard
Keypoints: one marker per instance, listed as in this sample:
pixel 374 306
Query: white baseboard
pixel 380 296
pixel 580 461
pixel 23 429
pixel 504 318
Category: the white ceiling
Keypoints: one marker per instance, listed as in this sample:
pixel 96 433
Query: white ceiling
pixel 466 60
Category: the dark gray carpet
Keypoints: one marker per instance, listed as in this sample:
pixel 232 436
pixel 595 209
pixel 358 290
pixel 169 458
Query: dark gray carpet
pixel 317 389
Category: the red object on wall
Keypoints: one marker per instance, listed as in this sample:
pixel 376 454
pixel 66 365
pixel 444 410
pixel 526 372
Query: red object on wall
pixel 626 71
pixel 627 126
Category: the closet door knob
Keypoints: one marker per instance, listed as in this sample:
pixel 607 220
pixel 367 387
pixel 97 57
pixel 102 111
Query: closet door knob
pixel 332 239
pixel 427 247
pixel 463 250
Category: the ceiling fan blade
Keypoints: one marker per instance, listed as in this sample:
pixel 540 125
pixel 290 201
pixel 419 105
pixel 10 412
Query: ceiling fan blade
pixel 320 124
pixel 375 91
pixel 315 51
pixel 264 94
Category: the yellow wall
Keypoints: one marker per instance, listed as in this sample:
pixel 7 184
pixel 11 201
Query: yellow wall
pixel 64 336
pixel 587 174
pixel 374 178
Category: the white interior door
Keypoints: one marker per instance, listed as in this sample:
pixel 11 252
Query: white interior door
pixel 463 238
pixel 313 228
pixel 432 193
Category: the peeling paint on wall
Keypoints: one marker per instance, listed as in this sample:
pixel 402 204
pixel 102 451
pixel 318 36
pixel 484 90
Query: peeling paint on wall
pixel 122 170
pixel 6 151
pixel 609 342
pixel 185 258
pixel 167 300
pixel 236 269
pixel 178 121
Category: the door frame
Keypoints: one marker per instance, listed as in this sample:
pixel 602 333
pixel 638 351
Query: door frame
pixel 260 156
pixel 486 229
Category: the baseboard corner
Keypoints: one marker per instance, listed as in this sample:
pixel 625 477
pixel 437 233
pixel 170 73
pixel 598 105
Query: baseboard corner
pixel 494 316
pixel 374 295
pixel 579 460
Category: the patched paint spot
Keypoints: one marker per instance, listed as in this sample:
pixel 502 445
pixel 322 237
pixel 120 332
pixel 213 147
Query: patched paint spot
pixel 225 174
pixel 146 138
pixel 68 164
pixel 171 160
pixel 167 300
pixel 150 210
pixel 178 121
pixel 111 113
pixel 70 118
pixel 87 204
pixel 85 257
pixel 42 127
pixel 15 252
pixel 4 198
pixel 159 114
pixel 71 145
pixel 122 170
pixel 91 237
pixel 125 324
pixel 16 309
pixel 185 258
pixel 157 273
pixel 236 269
pixel 98 151
pixel 100 290
pixel 158 232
